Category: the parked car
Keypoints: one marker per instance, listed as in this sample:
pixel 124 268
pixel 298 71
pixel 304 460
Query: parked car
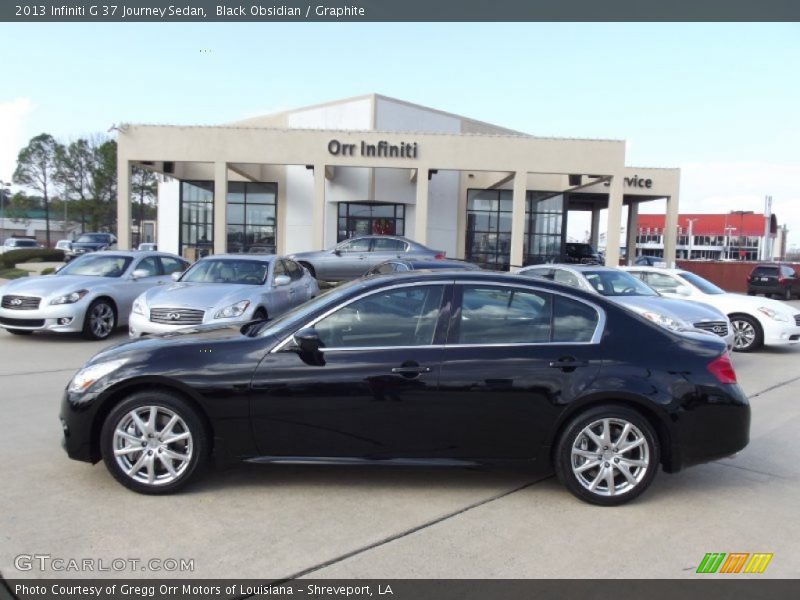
pixel 147 247
pixel 756 321
pixel 650 261
pixel 773 279
pixel 581 254
pixel 621 287
pixel 401 265
pixel 64 245
pixel 431 368
pixel 352 258
pixel 233 288
pixel 91 295
pixel 90 242
pixel 17 243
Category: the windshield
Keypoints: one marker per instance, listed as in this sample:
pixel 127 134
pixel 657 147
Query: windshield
pixel 298 315
pixel 245 272
pixel 92 238
pixel 97 265
pixel 617 283
pixel 701 284
pixel 22 243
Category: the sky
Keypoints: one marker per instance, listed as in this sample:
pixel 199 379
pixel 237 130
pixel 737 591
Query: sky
pixel 719 101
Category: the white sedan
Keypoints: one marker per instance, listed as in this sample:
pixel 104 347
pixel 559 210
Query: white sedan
pixel 756 321
pixel 223 289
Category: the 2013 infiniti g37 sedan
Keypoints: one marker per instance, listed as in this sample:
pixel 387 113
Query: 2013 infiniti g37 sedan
pixel 448 368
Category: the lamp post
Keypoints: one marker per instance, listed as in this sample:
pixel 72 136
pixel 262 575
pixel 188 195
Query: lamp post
pixel 741 214
pixel 728 230
pixel 689 245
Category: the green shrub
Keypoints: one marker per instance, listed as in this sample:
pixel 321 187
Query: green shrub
pixel 12 273
pixel 48 271
pixel 13 257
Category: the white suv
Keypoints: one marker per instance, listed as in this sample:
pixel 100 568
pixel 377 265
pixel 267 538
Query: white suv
pixel 18 244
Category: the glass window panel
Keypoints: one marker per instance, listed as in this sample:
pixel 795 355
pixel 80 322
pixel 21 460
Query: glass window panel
pixel 236 191
pixel 401 317
pixel 503 316
pixel 260 214
pixel 235 213
pixel 261 193
pixel 573 321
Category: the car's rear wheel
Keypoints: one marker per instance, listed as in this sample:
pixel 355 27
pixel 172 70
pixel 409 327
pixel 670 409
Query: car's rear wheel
pixel 747 333
pixel 607 455
pixel 100 320
pixel 153 442
pixel 787 294
pixel 19 331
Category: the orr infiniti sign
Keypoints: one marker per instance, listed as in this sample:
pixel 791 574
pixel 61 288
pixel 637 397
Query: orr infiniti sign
pixel 381 149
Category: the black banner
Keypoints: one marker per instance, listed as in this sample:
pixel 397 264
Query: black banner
pixel 398 10
pixel 705 588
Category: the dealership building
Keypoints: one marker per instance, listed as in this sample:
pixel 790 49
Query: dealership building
pixel 308 178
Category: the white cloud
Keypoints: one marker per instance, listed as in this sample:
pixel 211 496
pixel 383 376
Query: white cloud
pixel 14 115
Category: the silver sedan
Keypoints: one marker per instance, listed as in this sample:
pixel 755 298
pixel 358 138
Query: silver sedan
pixel 223 289
pixel 624 289
pixel 352 258
pixel 92 295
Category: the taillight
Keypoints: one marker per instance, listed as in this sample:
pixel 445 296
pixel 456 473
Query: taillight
pixel 439 256
pixel 722 369
pixel 749 278
pixel 781 280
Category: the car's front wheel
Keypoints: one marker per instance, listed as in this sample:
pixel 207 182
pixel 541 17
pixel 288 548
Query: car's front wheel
pixel 153 442
pixel 100 320
pixel 747 333
pixel 607 455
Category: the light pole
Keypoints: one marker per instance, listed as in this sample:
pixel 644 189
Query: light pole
pixel 728 230
pixel 691 227
pixel 741 214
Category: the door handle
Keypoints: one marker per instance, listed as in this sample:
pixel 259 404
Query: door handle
pixel 410 371
pixel 568 364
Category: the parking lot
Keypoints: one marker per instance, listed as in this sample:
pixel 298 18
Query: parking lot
pixel 257 521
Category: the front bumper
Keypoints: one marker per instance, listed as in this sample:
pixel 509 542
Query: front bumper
pixel 64 318
pixel 139 325
pixel 778 333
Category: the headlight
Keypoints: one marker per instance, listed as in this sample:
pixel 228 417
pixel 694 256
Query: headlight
pixel 774 314
pixel 138 306
pixel 84 378
pixel 664 321
pixel 69 298
pixel 234 310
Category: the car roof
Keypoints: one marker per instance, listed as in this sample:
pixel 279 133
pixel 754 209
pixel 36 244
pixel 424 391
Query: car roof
pixel 665 270
pixel 430 262
pixel 133 253
pixel 248 257
pixel 571 267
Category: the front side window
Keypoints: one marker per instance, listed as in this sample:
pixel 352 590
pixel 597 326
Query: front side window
pixel 400 317
pixel 172 265
pixel 358 245
pixel 149 264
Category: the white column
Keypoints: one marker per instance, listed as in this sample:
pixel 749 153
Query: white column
pixel 220 206
pixel 518 218
pixel 614 221
pixel 671 231
pixel 632 231
pixel 123 204
pixel 421 207
pixel 594 238
pixel 318 208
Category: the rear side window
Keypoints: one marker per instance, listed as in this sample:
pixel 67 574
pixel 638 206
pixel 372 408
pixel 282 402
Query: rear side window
pixel 172 265
pixel 491 315
pixel 573 321
pixel 388 245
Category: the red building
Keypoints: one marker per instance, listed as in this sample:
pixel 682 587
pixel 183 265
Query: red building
pixel 737 235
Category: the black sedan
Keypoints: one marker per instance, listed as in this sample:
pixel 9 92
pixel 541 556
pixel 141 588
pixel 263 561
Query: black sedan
pixel 419 368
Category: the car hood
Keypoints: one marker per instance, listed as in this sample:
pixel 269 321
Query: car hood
pixel 670 307
pixel 49 285
pixel 753 303
pixel 199 295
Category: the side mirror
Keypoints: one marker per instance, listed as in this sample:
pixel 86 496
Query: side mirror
pixel 281 280
pixel 683 290
pixel 308 340
pixel 139 273
pixel 337 252
pixel 176 275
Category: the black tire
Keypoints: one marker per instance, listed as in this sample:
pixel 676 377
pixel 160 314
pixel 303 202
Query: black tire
pixel 747 333
pixel 787 294
pixel 19 331
pixel 751 293
pixel 196 446
pixel 99 310
pixel 310 269
pixel 260 315
pixel 585 477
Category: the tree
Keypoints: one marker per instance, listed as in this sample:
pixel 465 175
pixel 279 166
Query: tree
pixel 74 165
pixel 36 168
pixel 103 186
pixel 19 207
pixel 144 185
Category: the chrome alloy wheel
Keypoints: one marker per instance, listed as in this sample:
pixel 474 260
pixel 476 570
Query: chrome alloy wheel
pixel 101 320
pixel 744 333
pixel 152 445
pixel 610 457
